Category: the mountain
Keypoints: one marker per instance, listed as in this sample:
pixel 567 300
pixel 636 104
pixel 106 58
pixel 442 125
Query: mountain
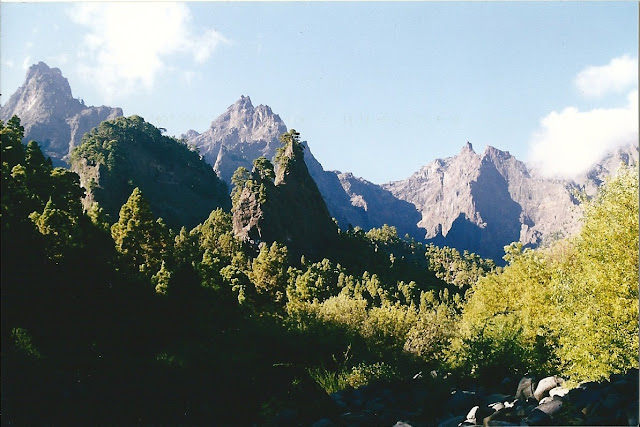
pixel 244 133
pixel 125 153
pixel 607 166
pixel 288 209
pixel 481 203
pixel 240 135
pixel 50 114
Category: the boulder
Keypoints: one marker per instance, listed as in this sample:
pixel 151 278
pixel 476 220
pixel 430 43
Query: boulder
pixel 545 385
pixel 526 388
pixel 558 391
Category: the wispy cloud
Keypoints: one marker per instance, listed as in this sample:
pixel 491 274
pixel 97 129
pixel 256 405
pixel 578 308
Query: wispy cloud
pixel 127 45
pixel 617 76
pixel 570 142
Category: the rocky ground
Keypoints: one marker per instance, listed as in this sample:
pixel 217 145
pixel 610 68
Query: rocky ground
pixel 428 402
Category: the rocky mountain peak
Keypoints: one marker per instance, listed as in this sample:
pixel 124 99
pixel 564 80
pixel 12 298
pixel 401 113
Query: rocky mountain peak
pixel 238 136
pixel 44 93
pixel 50 114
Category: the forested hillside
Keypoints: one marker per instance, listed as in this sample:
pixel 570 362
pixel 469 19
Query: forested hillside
pixel 125 320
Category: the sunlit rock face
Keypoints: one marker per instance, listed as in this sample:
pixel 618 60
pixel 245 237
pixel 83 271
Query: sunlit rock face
pixel 51 115
pixel 482 202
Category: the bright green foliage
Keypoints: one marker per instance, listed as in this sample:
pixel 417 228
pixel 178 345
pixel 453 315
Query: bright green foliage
pixel 573 305
pixel 596 290
pixel 263 167
pixel 291 138
pixel 459 270
pixel 269 272
pixel 385 235
pixel 59 228
pixel 161 279
pixel 430 336
pixel 236 274
pixel 505 326
pixel 318 282
pixel 240 179
pixel 140 239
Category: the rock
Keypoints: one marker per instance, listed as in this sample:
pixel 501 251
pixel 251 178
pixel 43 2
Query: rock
pixel 550 407
pixel 471 416
pixel 546 384
pixel 452 422
pixel 498 406
pixel 482 202
pixel 558 391
pixel 461 400
pixel 538 418
pixel 289 209
pixel 525 388
pixel 494 398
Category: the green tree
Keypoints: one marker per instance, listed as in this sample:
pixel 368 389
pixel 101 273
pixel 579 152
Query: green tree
pixel 240 179
pixel 269 272
pixel 596 288
pixel 141 240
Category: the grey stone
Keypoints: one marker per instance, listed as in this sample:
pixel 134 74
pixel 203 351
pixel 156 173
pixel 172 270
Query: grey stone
pixel 538 418
pixel 550 407
pixel 546 384
pixel 525 389
pixel 558 391
pixel 471 416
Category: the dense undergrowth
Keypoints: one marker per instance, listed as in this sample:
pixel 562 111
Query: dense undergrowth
pixel 188 326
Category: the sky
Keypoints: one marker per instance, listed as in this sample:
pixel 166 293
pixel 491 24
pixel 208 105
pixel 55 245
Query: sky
pixel 377 89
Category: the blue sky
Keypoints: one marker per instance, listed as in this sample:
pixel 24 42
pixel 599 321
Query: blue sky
pixel 378 89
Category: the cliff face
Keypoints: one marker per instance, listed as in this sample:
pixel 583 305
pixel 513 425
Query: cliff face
pixel 125 153
pixel 483 202
pixel 238 136
pixel 289 209
pixel 51 115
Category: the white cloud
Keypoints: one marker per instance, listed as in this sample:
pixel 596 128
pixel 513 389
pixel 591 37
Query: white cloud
pixel 26 63
pixel 127 44
pixel 569 142
pixel 618 75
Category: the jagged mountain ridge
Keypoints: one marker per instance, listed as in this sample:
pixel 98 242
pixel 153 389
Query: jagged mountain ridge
pixel 244 132
pixel 51 115
pixel 483 202
pixel 489 198
pixel 471 202
pixel 238 136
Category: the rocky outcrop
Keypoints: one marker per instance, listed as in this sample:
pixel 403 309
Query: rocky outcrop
pixel 289 210
pixel 481 203
pixel 418 402
pixel 51 115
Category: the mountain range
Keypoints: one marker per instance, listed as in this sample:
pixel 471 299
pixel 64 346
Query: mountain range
pixel 470 201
